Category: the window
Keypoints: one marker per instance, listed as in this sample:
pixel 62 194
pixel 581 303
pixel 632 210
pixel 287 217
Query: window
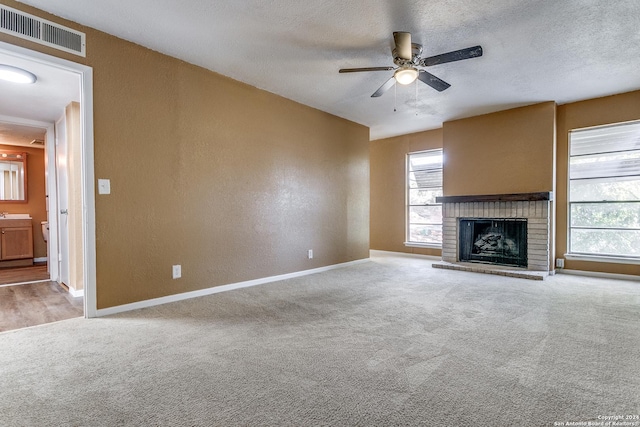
pixel 604 191
pixel 424 184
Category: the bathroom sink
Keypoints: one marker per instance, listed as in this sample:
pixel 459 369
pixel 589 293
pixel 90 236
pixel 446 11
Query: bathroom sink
pixel 15 216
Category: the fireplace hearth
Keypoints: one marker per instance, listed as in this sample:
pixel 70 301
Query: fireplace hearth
pixel 485 232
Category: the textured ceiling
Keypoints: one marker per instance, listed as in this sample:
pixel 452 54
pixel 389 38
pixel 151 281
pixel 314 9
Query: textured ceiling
pixel 533 50
pixel 43 101
pixel 12 134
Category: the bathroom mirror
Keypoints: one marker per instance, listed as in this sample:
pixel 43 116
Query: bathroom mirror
pixel 13 177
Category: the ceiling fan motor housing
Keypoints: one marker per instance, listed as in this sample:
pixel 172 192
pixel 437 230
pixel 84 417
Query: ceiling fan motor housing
pixel 416 51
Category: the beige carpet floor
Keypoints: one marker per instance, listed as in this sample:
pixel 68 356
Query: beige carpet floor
pixel 388 342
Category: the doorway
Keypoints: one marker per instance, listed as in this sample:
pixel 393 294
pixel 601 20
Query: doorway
pixel 31 290
pixel 82 180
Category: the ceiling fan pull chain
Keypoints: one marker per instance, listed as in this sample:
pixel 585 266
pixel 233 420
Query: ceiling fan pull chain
pixel 395 97
pixel 416 85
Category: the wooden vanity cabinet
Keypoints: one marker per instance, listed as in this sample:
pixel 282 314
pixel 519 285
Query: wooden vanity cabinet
pixel 16 242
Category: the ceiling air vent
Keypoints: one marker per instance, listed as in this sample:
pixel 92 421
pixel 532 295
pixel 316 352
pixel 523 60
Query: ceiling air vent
pixel 30 27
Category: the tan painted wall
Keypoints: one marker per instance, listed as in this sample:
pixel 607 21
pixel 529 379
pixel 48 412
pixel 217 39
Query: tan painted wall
pixel 229 181
pixel 388 189
pixel 36 202
pixel 593 112
pixel 506 152
pixel 510 151
pixel 521 139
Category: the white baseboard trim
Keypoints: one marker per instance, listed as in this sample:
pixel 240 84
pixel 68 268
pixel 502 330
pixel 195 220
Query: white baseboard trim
pixel 216 289
pixel 41 259
pixel 376 252
pixel 75 293
pixel 599 274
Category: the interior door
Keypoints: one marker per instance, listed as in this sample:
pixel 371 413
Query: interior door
pixel 62 172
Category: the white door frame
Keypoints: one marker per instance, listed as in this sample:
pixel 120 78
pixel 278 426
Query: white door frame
pixel 88 192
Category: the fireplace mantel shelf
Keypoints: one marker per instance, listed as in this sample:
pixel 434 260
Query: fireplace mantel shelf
pixel 517 197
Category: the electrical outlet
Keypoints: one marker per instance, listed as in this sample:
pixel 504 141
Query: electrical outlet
pixel 177 271
pixel 104 186
pixel 560 262
pixel 310 254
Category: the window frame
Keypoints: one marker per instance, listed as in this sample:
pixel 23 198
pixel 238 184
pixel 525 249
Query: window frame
pixel 591 256
pixel 408 204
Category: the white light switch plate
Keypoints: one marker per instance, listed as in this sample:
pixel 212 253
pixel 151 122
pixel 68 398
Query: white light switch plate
pixel 104 186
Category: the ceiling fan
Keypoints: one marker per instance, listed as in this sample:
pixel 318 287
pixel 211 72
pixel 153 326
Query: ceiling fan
pixel 406 56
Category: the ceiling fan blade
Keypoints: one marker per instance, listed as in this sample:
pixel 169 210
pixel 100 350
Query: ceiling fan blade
pixel 456 55
pixel 358 70
pixel 433 81
pixel 385 87
pixel 403 44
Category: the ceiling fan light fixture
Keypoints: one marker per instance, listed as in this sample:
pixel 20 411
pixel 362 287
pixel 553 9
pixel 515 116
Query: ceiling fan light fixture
pixel 406 75
pixel 407 58
pixel 16 75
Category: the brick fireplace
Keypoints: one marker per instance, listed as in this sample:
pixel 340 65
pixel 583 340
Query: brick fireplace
pixel 530 208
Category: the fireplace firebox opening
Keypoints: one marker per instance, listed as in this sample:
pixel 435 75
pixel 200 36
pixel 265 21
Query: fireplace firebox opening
pixel 493 241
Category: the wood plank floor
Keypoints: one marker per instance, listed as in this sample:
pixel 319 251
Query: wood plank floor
pixel 23 274
pixel 35 304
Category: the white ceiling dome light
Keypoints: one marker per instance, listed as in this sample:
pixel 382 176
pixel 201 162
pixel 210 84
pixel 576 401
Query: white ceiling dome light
pixel 16 75
pixel 406 75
